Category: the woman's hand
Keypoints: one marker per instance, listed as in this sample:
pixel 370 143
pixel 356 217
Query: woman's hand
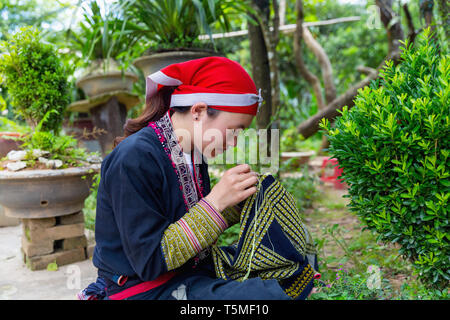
pixel 236 185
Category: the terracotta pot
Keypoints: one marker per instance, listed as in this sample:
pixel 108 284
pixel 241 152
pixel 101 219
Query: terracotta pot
pixel 156 61
pixel 300 158
pixel 45 193
pixel 6 145
pixel 96 84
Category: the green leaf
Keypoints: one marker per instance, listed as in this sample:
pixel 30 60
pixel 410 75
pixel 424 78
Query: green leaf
pixel 52 266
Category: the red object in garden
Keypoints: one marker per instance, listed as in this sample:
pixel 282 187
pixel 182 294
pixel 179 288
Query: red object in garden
pixel 338 183
pixel 6 145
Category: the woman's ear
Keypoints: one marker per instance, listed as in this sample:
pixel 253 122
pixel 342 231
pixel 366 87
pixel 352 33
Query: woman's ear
pixel 198 109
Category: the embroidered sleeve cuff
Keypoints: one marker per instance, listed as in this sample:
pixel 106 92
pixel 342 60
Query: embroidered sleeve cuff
pixel 196 230
pixel 214 213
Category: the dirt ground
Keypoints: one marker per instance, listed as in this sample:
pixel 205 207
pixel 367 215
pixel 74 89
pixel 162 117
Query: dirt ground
pixel 331 209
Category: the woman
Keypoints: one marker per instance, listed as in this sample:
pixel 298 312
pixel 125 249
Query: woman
pixel 156 214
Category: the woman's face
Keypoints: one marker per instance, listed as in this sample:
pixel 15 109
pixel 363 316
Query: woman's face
pixel 213 135
pixel 221 132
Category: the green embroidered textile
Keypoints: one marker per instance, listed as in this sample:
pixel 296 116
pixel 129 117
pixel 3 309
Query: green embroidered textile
pixel 273 242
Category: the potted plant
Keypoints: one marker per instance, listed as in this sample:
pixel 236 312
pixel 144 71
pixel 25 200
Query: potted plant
pixel 172 28
pixel 103 40
pixel 49 176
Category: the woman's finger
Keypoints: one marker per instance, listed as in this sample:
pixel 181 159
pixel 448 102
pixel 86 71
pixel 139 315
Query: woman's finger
pixel 248 192
pixel 245 176
pixel 242 168
pixel 251 181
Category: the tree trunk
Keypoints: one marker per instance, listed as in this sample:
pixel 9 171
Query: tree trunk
pixel 264 57
pixel 303 33
pixel 394 34
pixel 271 39
pixel 261 76
pixel 260 67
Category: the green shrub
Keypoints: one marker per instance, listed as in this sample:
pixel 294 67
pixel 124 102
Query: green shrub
pixel 35 77
pixel 394 148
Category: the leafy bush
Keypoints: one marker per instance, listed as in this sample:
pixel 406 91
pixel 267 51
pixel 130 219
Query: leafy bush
pixel 177 24
pixel 35 77
pixel 394 148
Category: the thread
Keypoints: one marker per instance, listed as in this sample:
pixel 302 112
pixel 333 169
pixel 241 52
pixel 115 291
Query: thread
pixel 259 198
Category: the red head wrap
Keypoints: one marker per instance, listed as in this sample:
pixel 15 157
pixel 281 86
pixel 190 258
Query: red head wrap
pixel 219 82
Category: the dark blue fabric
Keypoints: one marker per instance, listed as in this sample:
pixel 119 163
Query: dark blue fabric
pixel 202 284
pixel 138 197
pixel 94 291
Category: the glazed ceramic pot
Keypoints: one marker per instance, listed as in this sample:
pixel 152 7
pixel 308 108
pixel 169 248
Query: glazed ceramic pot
pixel 45 193
pixel 154 62
pixel 96 84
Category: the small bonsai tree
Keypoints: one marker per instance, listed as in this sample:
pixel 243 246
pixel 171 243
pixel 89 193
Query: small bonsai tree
pixel 393 146
pixel 36 79
pixel 38 88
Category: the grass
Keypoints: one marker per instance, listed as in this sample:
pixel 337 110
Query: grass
pixel 353 264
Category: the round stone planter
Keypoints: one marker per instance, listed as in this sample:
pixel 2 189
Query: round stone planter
pixel 299 158
pixel 96 84
pixel 35 194
pixel 156 61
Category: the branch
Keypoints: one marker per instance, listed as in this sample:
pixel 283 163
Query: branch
pixel 395 33
pixel 365 70
pixel 311 126
pixel 325 64
pixel 412 31
pixel 312 79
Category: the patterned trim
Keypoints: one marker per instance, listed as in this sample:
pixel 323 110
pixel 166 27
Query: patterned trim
pixel 166 135
pixel 214 213
pixel 300 283
pixel 216 99
pixel 198 229
pixel 232 215
pixel 190 235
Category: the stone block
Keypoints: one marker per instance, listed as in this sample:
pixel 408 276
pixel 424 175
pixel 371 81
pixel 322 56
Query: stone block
pixel 55 233
pixel 73 218
pixel 60 257
pixel 36 249
pixel 74 243
pixel 35 224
